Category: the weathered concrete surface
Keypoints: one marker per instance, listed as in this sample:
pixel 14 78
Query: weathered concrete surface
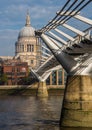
pixel 77 103
pixel 42 89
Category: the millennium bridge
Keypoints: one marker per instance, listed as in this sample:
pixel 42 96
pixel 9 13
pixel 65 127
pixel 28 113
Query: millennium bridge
pixel 74 54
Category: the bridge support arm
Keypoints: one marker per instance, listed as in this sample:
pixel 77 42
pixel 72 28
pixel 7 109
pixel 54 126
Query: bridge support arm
pixel 77 16
pixel 83 19
pixel 64 34
pixel 58 38
pixel 73 29
pixel 68 63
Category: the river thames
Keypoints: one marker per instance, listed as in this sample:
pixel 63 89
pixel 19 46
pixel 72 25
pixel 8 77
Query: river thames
pixel 31 113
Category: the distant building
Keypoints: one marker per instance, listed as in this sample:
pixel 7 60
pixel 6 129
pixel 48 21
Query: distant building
pixel 2 58
pixel 27 47
pixel 15 70
pixel 28 54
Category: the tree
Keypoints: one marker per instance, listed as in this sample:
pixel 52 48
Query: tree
pixel 3 79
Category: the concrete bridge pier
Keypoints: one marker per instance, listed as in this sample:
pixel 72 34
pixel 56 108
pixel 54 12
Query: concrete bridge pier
pixel 77 104
pixel 42 89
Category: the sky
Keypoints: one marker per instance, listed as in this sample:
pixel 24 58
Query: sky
pixel 13 15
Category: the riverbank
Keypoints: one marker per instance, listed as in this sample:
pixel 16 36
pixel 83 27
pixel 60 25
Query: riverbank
pixel 29 90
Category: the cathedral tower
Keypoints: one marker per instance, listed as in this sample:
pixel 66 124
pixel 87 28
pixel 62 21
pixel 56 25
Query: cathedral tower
pixel 27 47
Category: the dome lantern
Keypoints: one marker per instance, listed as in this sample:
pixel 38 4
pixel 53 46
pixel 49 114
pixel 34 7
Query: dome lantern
pixel 27 30
pixel 27 20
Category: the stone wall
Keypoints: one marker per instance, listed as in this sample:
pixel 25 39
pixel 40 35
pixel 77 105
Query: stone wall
pixel 35 86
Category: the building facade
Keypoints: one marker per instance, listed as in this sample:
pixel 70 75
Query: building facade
pixel 27 47
pixel 28 53
pixel 14 70
pixel 57 77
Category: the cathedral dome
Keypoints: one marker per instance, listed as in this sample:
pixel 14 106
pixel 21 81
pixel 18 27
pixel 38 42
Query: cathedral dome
pixel 27 30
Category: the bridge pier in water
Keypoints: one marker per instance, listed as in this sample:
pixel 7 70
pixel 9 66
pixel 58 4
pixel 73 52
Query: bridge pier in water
pixel 77 103
pixel 76 59
pixel 42 89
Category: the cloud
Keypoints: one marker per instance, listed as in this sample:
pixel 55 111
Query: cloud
pixel 13 16
pixel 7 42
pixel 13 13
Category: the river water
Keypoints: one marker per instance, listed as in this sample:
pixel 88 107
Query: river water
pixel 31 113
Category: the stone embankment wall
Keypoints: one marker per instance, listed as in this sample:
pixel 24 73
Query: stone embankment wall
pixel 35 86
pixel 28 89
